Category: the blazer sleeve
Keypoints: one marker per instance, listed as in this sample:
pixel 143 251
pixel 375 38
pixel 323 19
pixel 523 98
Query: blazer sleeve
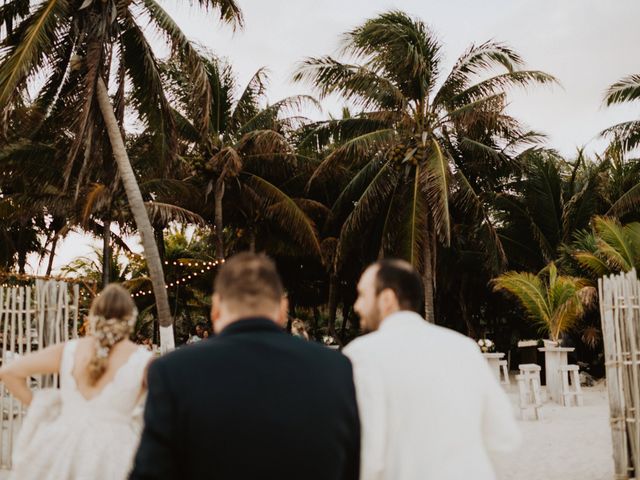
pixel 372 411
pixel 156 456
pixel 499 427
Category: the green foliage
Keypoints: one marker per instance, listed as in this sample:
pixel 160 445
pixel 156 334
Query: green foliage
pixel 554 302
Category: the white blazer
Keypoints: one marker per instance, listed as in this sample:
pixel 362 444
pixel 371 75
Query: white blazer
pixel 430 407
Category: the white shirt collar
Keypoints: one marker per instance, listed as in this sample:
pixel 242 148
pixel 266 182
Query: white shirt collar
pixel 401 319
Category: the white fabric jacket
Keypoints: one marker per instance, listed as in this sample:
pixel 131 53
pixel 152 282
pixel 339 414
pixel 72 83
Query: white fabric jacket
pixel 430 407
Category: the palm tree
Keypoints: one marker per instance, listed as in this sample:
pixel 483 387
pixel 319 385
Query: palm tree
pixel 610 248
pixel 410 138
pixel 621 185
pixel 78 47
pixel 625 90
pixel 554 302
pixel 541 211
pixel 244 159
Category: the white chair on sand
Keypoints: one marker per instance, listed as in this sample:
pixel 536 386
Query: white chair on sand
pixel 504 372
pixel 529 388
pixel 574 390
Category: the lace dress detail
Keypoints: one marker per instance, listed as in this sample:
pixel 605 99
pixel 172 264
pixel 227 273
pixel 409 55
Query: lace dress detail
pixel 66 436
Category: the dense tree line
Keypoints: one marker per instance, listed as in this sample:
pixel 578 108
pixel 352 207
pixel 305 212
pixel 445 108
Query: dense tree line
pixel 422 164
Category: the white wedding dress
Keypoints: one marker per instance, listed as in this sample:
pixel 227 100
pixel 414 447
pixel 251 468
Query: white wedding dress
pixel 68 437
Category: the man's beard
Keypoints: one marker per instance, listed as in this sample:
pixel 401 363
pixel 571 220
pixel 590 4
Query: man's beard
pixel 372 322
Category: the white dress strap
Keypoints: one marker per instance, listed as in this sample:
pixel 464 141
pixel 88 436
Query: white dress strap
pixel 129 375
pixel 66 365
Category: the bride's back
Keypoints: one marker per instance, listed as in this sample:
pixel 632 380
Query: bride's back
pixel 85 351
pixel 106 360
pixel 89 428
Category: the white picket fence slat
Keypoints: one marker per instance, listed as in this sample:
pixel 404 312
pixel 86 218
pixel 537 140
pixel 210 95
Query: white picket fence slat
pixel 620 317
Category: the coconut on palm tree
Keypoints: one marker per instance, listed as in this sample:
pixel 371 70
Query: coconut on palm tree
pixel 414 129
pixel 77 50
pixel 554 302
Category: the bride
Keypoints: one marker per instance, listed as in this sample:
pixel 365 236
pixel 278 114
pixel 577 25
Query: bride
pixel 85 430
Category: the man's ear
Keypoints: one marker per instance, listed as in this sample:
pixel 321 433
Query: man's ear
pixel 387 301
pixel 283 314
pixel 215 308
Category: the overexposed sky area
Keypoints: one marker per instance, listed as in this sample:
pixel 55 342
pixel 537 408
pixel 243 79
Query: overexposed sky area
pixel 586 44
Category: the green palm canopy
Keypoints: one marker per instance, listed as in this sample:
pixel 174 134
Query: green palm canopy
pixel 416 138
pixel 61 58
pixel 554 302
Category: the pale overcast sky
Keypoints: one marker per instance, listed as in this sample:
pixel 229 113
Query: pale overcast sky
pixel 586 44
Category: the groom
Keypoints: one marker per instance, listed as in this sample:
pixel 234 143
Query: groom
pixel 253 402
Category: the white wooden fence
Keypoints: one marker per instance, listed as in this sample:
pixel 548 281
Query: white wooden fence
pixel 32 318
pixel 620 315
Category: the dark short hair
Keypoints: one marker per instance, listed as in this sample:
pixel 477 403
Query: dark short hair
pixel 249 281
pixel 400 277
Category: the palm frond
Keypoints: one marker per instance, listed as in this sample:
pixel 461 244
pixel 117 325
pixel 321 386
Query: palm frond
pixel 37 35
pixel 349 196
pixel 614 243
pixel 593 263
pixel 401 47
pixel 355 83
pixel 624 90
pixel 228 10
pixel 470 201
pixel 355 148
pixel 247 105
pixel 366 208
pixel 190 59
pixel 529 290
pixel 627 134
pixel 285 213
pixel 435 184
pixel 412 221
pixel 97 197
pixel 269 117
pixel 477 59
pixel 164 214
pixel 500 83
pixel 148 96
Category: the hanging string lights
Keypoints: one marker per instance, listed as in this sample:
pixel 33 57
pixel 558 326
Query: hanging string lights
pixel 203 267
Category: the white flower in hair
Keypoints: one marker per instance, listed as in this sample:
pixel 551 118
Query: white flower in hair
pixel 103 352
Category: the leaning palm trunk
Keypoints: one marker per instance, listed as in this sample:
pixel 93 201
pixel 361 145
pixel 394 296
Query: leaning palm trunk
pixel 140 215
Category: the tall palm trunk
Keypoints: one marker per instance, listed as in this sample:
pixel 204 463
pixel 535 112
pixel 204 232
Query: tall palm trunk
pixel 252 241
pixel 140 215
pixel 333 306
pixel 158 232
pixel 106 251
pixel 427 274
pixel 464 311
pixel 22 251
pixel 218 195
pixel 52 254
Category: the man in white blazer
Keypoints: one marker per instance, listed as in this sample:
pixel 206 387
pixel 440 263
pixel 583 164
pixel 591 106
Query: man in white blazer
pixel 430 407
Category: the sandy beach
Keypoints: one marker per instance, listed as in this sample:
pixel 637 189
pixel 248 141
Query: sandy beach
pixel 570 443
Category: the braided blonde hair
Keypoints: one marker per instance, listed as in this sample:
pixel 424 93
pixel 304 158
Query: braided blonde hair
pixel 112 317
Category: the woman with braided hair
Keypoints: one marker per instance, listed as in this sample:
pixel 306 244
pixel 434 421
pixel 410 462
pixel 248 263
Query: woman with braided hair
pixel 88 429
